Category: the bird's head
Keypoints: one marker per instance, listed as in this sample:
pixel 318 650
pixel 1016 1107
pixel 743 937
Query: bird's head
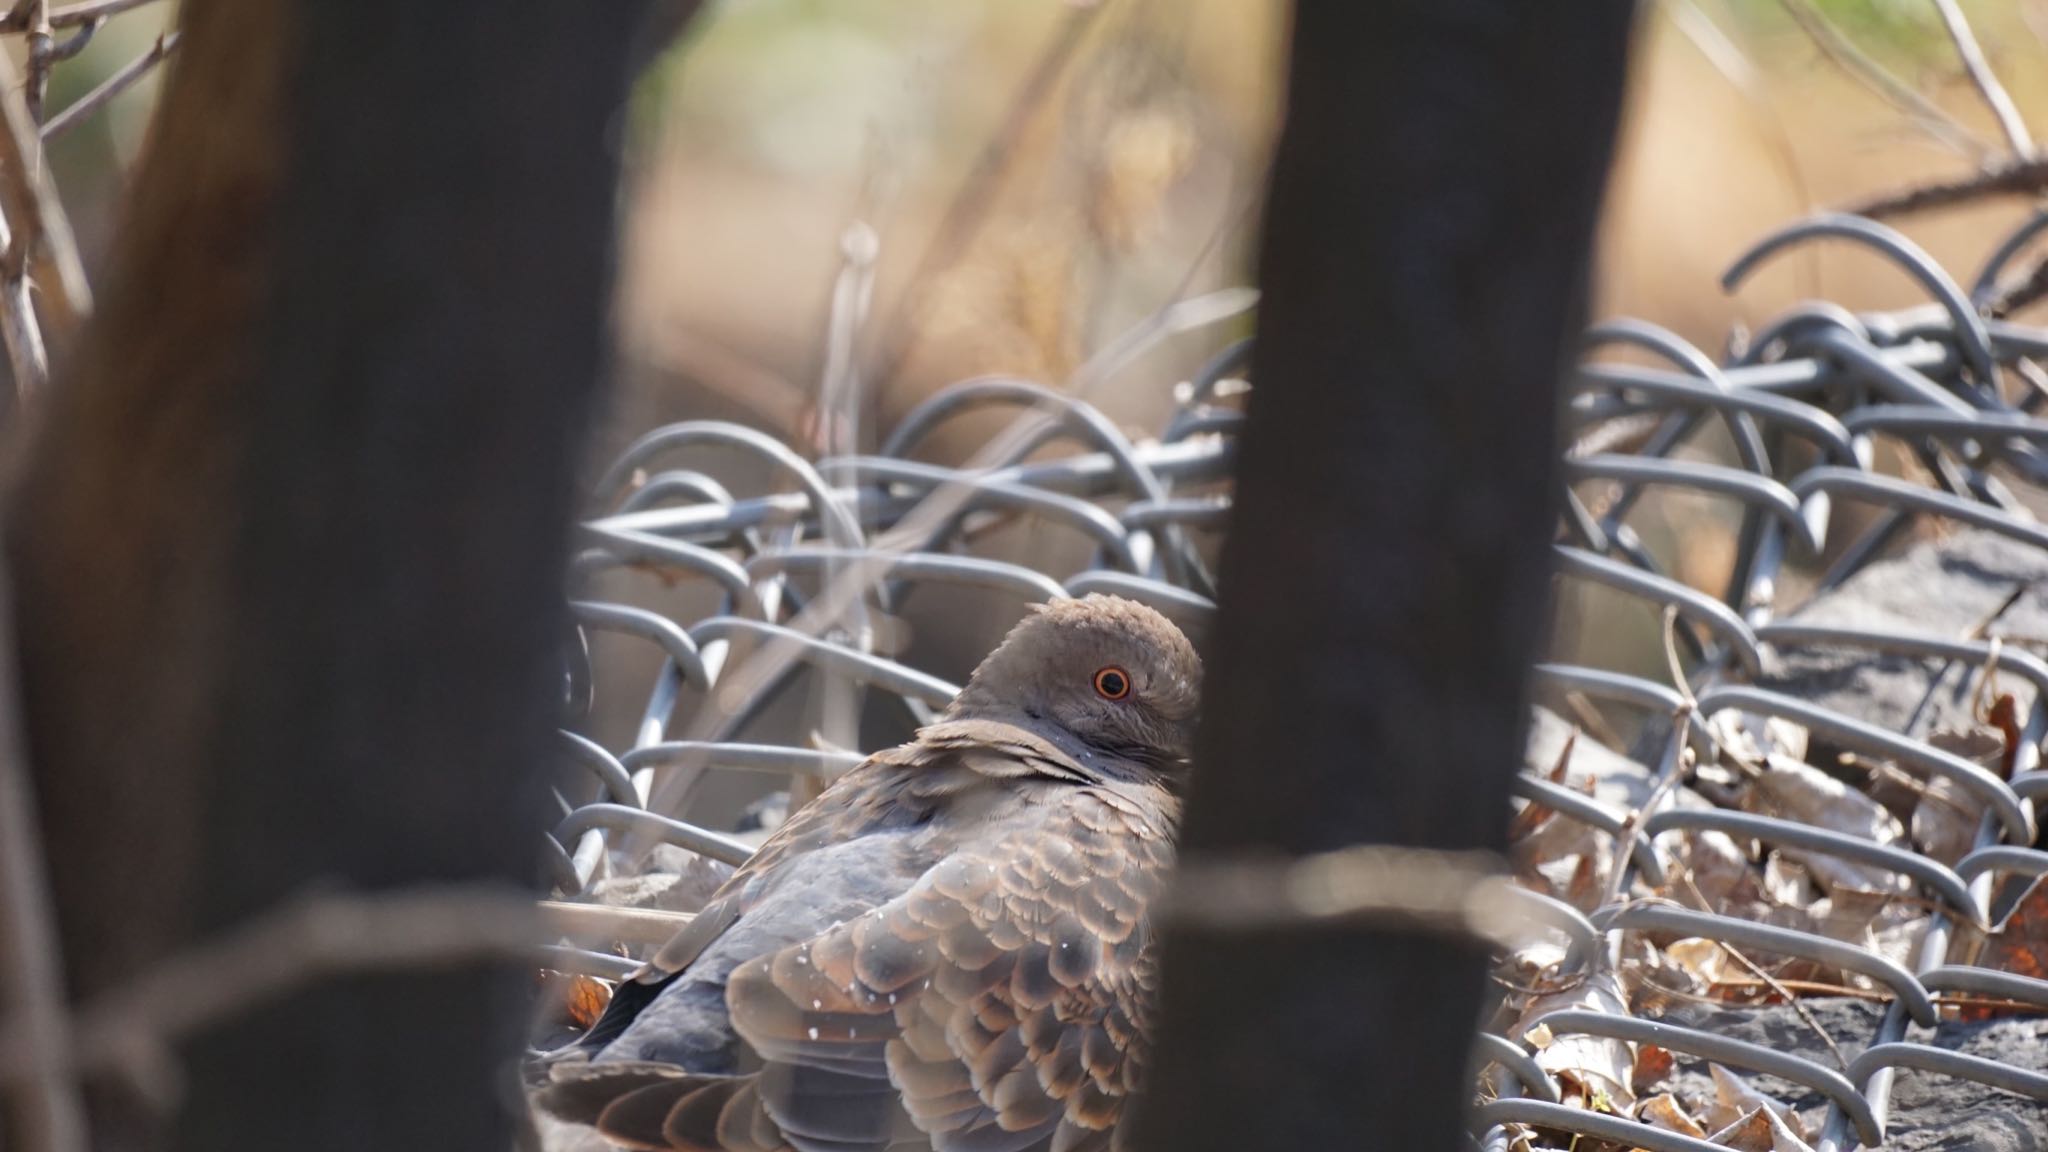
pixel 1110 673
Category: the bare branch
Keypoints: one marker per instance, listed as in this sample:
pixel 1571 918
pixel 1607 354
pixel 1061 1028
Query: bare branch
pixel 309 940
pixel 39 239
pixel 2009 178
pixel 48 1113
pixel 112 86
pixel 1735 66
pixel 1979 68
pixel 2022 292
pixel 1896 92
pixel 40 41
pixel 18 20
pixel 27 358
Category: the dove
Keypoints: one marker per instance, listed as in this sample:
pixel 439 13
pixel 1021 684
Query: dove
pixel 949 948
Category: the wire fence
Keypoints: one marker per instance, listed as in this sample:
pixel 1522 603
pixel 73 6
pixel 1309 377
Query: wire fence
pixel 1807 404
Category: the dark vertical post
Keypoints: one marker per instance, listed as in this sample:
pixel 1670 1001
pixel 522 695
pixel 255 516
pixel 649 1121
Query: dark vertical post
pixel 1423 271
pixel 288 552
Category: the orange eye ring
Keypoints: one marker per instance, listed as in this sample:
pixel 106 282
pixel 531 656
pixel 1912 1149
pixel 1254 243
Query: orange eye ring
pixel 1112 683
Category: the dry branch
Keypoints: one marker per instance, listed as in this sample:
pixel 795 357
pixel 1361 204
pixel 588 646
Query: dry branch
pixel 1837 47
pixel 39 235
pixel 92 11
pixel 76 111
pixel 43 1104
pixel 2006 178
pixel 313 939
pixel 1995 96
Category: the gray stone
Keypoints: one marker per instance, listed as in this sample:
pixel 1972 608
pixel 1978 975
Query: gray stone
pixel 1940 589
pixel 1928 1112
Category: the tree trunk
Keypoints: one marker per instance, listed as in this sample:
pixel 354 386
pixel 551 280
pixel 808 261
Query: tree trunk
pixel 287 552
pixel 1423 271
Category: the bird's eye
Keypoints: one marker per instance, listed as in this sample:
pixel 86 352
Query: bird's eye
pixel 1112 683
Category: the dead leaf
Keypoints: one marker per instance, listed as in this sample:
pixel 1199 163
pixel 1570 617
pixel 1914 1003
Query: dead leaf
pixel 1752 739
pixel 582 998
pixel 1787 881
pixel 1533 815
pixel 2004 715
pixel 588 998
pixel 1587 887
pixel 1704 960
pixel 1946 818
pixel 1762 1130
pixel 1663 1111
pixel 1794 790
pixel 1600 1068
pixel 1717 866
pixel 1735 1101
pixel 1751 1132
pixel 2020 943
pixel 1653 1064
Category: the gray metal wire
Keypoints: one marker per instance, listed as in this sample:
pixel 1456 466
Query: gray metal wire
pixel 1931 379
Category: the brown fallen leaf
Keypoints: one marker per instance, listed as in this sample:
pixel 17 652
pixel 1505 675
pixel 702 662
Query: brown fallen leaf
pixel 1587 886
pixel 583 998
pixel 1702 959
pixel 1715 864
pixel 1946 817
pixel 2020 942
pixel 2004 715
pixel 588 998
pixel 1598 1067
pixel 1794 790
pixel 1751 739
pixel 1664 1111
pixel 1533 815
pixel 1762 1130
pixel 1653 1064
pixel 1734 1100
pixel 1788 881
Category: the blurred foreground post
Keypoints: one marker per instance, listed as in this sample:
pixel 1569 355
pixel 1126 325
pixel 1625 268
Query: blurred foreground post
pixel 1423 270
pixel 288 550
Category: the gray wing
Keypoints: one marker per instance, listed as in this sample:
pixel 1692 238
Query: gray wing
pixel 1001 1004
pixel 1000 990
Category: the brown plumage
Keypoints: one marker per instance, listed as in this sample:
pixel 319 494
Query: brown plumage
pixel 949 949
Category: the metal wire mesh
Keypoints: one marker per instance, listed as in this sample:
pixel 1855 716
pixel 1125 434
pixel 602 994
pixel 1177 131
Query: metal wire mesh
pixel 1805 403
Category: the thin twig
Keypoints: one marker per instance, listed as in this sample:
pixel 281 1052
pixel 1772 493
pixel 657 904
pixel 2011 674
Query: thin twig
pixel 1995 96
pixel 1837 47
pixel 2021 292
pixel 1734 65
pixel 72 16
pixel 48 1113
pixel 1589 717
pixel 1983 625
pixel 1791 1001
pixel 39 241
pixel 75 112
pixel 131 1028
pixel 40 42
pixel 2005 178
pixel 26 356
pixel 1681 734
pixel 1769 980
